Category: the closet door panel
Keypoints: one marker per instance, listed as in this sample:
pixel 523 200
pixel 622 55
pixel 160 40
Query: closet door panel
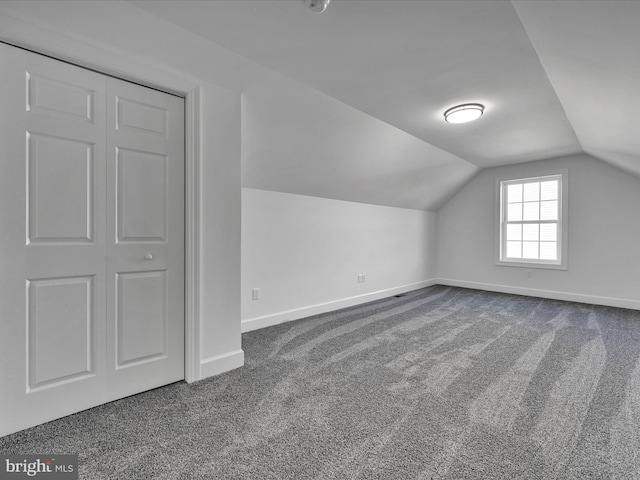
pixel 52 217
pixel 145 232
pixel 91 239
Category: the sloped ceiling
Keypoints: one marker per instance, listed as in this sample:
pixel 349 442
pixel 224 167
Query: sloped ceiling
pixel 557 77
pixel 591 54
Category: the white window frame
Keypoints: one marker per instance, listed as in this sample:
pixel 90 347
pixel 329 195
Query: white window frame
pixel 500 224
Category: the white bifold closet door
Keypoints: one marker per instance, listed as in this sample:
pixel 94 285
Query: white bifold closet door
pixel 91 239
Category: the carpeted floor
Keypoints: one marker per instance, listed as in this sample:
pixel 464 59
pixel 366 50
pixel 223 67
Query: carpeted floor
pixel 442 383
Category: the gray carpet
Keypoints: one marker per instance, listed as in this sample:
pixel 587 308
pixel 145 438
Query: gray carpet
pixel 443 383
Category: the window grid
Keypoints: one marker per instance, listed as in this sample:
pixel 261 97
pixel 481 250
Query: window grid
pixel 531 220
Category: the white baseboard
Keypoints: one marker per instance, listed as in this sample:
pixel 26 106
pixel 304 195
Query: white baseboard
pixel 221 363
pixel 256 323
pixel 534 292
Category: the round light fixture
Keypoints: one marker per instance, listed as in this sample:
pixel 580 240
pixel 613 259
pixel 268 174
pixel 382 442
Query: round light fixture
pixel 464 113
pixel 317 6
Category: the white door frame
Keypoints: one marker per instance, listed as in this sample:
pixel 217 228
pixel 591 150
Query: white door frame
pixel 141 71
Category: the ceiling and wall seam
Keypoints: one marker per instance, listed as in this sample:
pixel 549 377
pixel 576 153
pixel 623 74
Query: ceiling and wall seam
pixel 407 197
pixel 589 51
pixel 524 27
pixel 411 59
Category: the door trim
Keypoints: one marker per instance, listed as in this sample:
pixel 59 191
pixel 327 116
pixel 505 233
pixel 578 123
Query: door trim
pixel 192 370
pixel 41 40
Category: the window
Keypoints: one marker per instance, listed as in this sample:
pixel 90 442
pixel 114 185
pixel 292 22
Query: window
pixel 532 222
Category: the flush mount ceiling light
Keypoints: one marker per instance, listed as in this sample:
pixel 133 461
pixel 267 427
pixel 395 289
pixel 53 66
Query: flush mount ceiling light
pixel 464 113
pixel 317 6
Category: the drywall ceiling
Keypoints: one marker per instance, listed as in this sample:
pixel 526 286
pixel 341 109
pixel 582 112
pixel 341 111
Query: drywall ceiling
pixel 591 54
pixel 557 78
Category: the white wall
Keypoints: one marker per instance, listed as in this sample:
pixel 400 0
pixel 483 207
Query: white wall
pixel 305 254
pixel 220 233
pixel 604 236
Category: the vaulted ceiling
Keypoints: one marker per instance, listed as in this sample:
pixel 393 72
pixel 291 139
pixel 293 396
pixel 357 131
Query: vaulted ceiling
pixel 557 77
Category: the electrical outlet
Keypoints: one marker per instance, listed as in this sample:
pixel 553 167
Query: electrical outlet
pixel 364 278
pixel 529 274
pixel 359 278
pixel 255 294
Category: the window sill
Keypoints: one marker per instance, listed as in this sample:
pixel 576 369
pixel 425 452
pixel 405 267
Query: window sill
pixel 546 266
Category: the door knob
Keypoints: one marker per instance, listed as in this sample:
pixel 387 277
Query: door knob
pixel 148 256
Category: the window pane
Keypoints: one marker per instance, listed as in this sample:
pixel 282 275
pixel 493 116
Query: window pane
pixel 530 226
pixel 549 232
pixel 514 249
pixel 530 232
pixel 549 190
pixel 530 250
pixel 514 232
pixel 531 192
pixel 549 210
pixel 514 212
pixel 548 251
pixel 514 193
pixel 531 211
